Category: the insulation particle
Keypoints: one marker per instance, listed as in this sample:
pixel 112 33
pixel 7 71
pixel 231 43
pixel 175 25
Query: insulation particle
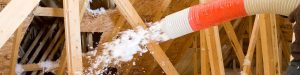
pixel 19 69
pixel 48 65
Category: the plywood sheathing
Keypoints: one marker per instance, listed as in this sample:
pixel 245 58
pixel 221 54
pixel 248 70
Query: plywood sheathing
pixel 5 56
pixel 99 23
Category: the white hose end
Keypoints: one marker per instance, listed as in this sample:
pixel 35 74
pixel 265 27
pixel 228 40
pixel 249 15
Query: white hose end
pixel 176 24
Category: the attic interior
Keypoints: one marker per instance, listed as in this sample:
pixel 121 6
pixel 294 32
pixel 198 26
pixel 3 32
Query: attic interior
pixel 220 50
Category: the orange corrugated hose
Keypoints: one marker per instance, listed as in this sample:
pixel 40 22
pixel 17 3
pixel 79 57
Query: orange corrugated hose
pixel 213 13
pixel 203 16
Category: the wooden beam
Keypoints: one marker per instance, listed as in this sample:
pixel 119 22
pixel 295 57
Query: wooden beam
pixel 56 47
pixel 259 60
pixel 31 67
pixel 275 47
pixel 195 62
pixel 227 55
pixel 56 12
pixel 19 35
pixel 73 39
pixel 33 44
pixel 267 45
pixel 285 49
pixel 214 51
pixel 107 36
pixel 162 59
pixel 237 23
pixel 17 11
pixel 43 42
pixel 234 41
pixel 226 48
pixel 180 48
pixel 48 11
pixel 15 51
pixel 84 42
pixel 251 47
pixel 266 42
pixel 82 8
pixel 128 11
pixel 205 68
pixel 165 46
pixel 205 65
pixel 50 46
pixel 158 15
pixel 90 42
pixel 134 20
pixel 195 55
pixel 62 64
pixel 250 25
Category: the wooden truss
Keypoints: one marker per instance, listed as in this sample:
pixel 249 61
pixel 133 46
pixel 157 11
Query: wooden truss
pixel 17 15
pixel 72 16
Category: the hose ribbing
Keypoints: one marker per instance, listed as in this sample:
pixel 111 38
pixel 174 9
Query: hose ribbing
pixel 199 17
pixel 282 7
pixel 176 24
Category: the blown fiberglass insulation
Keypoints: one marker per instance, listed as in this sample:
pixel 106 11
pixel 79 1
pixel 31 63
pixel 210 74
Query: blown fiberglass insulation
pixel 19 69
pixel 48 66
pixel 94 12
pixel 125 46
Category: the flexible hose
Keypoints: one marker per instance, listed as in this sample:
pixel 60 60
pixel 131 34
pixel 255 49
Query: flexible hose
pixel 213 13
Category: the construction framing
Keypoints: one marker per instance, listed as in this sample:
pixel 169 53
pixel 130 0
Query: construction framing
pixel 264 35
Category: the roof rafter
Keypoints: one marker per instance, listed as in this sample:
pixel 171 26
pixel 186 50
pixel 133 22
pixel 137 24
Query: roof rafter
pixel 73 38
pixel 134 20
pixel 16 17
